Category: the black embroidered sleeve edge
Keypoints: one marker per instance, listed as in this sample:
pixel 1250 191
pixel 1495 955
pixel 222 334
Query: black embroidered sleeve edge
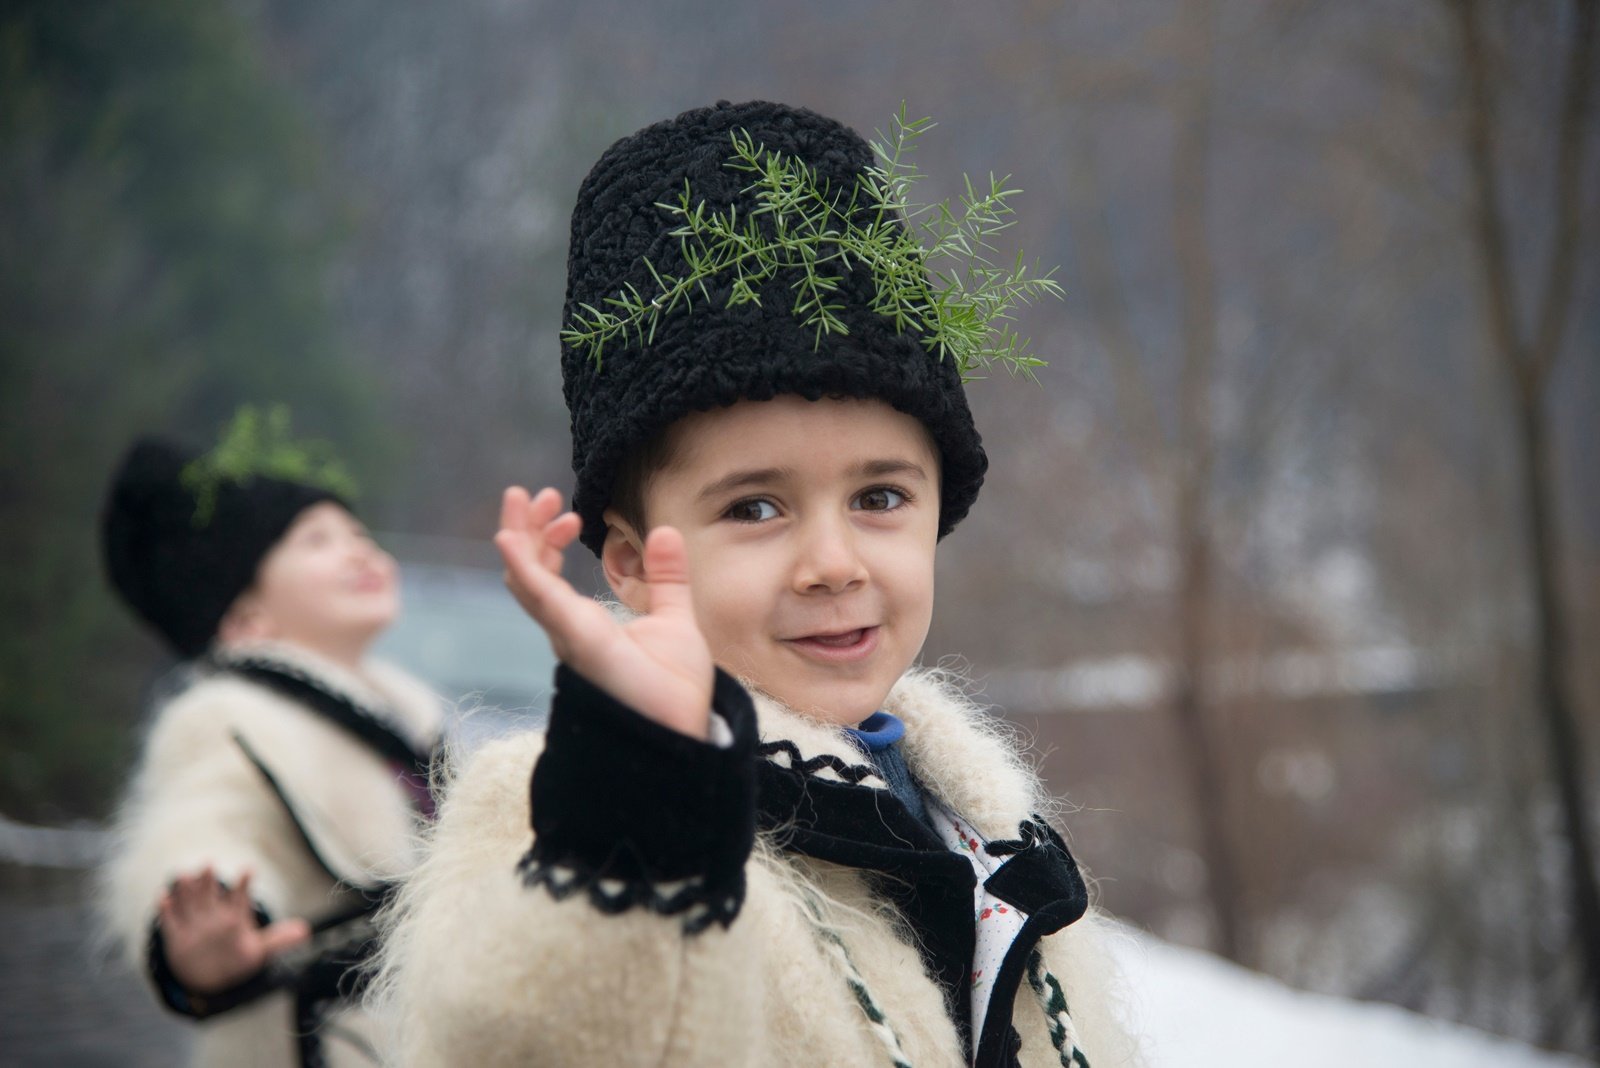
pixel 633 815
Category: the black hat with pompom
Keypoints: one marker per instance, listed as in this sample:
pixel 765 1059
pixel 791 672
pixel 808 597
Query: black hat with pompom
pixel 180 549
pixel 714 355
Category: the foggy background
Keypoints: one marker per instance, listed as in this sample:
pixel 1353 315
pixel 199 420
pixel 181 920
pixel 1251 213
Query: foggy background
pixel 1289 566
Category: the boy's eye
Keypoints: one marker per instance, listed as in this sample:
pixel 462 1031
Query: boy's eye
pixel 880 499
pixel 752 510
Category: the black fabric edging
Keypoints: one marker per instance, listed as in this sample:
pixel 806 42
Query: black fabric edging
pixel 622 805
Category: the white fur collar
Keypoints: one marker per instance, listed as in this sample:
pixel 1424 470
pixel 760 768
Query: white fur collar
pixel 956 750
pixel 379 688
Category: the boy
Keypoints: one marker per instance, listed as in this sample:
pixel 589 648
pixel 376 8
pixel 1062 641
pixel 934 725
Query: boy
pixel 279 791
pixel 759 835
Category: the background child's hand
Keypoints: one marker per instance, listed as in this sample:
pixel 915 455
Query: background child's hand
pixel 658 664
pixel 211 936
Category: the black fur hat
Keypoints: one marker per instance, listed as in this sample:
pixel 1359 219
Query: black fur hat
pixel 713 356
pixel 178 574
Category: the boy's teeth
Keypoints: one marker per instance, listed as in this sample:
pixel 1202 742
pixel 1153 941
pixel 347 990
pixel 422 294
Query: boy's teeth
pixel 839 639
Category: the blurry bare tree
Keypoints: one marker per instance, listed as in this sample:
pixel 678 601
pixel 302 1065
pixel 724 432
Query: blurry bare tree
pixel 1180 462
pixel 1194 456
pixel 1526 358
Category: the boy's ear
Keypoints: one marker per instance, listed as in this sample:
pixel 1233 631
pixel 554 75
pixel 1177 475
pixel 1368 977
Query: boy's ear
pixel 245 620
pixel 622 558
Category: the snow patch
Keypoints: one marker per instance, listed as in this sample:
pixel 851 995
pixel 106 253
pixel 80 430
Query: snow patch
pixel 1199 1011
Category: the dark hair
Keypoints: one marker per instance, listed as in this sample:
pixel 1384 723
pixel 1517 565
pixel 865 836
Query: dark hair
pixel 634 474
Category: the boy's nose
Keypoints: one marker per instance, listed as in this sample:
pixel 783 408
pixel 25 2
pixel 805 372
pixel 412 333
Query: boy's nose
pixel 366 550
pixel 828 560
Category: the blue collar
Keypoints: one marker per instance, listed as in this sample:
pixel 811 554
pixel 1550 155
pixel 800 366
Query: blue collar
pixel 877 732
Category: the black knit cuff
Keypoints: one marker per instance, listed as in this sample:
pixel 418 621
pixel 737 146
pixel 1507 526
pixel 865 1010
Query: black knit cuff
pixel 636 814
pixel 180 1000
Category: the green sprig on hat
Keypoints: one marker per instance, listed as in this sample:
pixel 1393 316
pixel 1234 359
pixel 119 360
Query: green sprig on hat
pixel 259 444
pixel 933 274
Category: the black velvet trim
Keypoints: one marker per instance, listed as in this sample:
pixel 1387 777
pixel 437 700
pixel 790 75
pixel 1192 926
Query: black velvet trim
pixel 850 773
pixel 1029 834
pixel 306 840
pixel 622 805
pixel 699 902
pixel 1042 875
pixel 1042 880
pixel 180 1000
pixel 309 1016
pixel 338 973
pixel 303 688
pixel 997 1044
pixel 871 830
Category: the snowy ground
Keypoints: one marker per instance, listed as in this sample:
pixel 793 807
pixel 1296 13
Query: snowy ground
pixel 1199 1011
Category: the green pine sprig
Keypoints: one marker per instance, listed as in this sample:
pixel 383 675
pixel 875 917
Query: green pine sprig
pixel 931 264
pixel 259 444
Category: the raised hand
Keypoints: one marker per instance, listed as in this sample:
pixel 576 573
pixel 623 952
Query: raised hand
pixel 211 936
pixel 658 664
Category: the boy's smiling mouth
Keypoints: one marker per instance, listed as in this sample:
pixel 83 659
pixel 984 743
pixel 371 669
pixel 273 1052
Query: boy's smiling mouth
pixel 369 581
pixel 837 646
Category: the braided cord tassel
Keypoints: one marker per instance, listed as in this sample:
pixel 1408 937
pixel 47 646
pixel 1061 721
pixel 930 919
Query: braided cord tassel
pixel 858 986
pixel 1063 1036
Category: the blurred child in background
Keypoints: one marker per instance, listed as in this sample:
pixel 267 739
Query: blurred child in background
pixel 279 789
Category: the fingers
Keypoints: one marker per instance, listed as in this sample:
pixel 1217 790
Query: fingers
pixel 174 902
pixel 543 507
pixel 512 503
pixel 181 899
pixel 240 891
pixel 529 580
pixel 167 912
pixel 531 515
pixel 533 535
pixel 191 893
pixel 284 935
pixel 666 570
pixel 237 900
pixel 536 527
pixel 191 897
pixel 558 534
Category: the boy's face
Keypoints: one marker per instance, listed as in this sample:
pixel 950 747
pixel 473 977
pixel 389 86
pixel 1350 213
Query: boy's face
pixel 811 528
pixel 325 585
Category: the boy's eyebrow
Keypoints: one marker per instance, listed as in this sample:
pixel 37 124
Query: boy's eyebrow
pixel 767 475
pixel 741 479
pixel 882 468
